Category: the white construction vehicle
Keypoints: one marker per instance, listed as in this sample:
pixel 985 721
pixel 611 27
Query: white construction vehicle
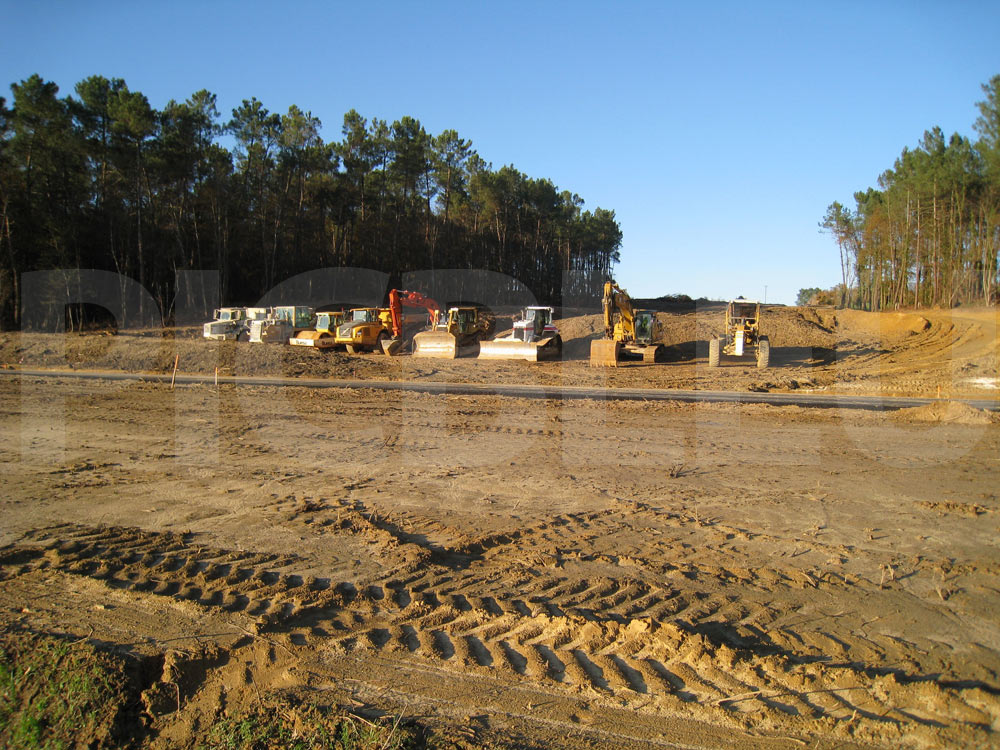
pixel 534 337
pixel 283 324
pixel 227 324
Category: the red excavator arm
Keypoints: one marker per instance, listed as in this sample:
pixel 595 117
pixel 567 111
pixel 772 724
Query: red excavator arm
pixel 398 298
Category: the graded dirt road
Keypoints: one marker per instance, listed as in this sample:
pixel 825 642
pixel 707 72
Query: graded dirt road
pixel 542 573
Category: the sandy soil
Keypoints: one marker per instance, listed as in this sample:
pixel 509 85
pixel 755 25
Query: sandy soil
pixel 539 573
pixel 927 353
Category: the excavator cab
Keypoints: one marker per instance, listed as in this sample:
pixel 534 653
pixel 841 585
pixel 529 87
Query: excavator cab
pixel 644 326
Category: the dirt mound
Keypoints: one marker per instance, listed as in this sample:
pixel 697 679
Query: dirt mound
pixel 887 325
pixel 946 411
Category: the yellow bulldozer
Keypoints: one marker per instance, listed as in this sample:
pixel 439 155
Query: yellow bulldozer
pixel 742 334
pixel 628 333
pixel 456 334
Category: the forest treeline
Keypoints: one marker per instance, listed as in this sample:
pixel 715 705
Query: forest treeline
pixel 103 180
pixel 930 233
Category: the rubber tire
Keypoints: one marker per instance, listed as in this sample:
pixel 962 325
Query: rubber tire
pixel 352 349
pixel 763 352
pixel 714 348
pixel 243 336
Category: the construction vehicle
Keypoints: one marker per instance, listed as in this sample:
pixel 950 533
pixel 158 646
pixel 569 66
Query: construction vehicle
pixel 254 313
pixel 323 334
pixel 455 335
pixel 282 324
pixel 534 337
pixel 226 325
pixel 402 325
pixel 741 335
pixel 628 333
pixel 364 329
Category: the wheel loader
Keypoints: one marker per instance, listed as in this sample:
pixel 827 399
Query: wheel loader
pixel 404 325
pixel 281 325
pixel 364 329
pixel 628 333
pixel 226 325
pixel 323 336
pixel 456 335
pixel 742 334
pixel 533 338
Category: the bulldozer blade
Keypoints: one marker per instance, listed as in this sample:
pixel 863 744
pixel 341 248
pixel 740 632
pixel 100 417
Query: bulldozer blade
pixel 605 353
pixel 435 344
pixel 549 348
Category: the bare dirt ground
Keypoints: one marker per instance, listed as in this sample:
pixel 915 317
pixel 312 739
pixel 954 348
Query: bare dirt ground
pixel 519 571
pixel 937 353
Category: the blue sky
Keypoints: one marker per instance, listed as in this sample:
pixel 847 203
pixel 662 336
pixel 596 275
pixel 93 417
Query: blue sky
pixel 718 133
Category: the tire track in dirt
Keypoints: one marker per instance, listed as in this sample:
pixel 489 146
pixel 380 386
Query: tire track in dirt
pixel 546 570
pixel 574 636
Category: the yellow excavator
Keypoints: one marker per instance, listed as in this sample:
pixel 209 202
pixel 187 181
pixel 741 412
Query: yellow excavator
pixel 628 333
pixel 456 334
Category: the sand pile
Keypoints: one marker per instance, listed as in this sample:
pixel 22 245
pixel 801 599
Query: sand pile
pixel 946 411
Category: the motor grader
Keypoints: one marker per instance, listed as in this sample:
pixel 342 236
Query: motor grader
pixel 456 334
pixel 742 334
pixel 364 329
pixel 323 335
pixel 628 333
pixel 534 337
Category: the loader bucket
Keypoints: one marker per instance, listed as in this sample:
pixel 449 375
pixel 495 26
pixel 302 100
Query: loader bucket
pixel 550 348
pixel 605 353
pixel 440 344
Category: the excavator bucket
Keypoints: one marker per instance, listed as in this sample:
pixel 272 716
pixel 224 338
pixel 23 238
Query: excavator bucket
pixel 391 347
pixel 439 344
pixel 509 348
pixel 605 353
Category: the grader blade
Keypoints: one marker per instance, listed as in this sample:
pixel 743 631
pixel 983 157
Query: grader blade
pixel 605 353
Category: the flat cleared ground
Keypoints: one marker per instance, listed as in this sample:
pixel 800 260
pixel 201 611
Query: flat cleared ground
pixel 533 572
